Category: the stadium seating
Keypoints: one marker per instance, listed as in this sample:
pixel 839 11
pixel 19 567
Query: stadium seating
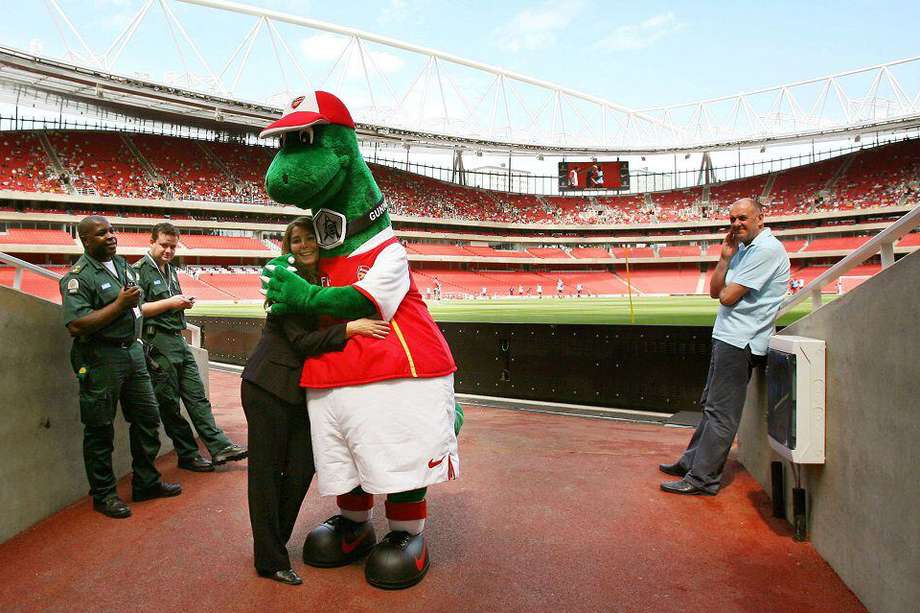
pixel 547 252
pixel 133 239
pixel 665 280
pixel 24 166
pixel 910 240
pixel 874 179
pixel 102 162
pixel 238 286
pixel 208 241
pixel 837 244
pixel 722 195
pixel 34 284
pixel 796 190
pixel 190 172
pixel 684 251
pixel 585 253
pixel 633 252
pixel 248 164
pixel 30 236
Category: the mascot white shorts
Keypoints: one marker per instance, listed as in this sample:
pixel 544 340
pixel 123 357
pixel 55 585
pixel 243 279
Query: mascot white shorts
pixel 390 436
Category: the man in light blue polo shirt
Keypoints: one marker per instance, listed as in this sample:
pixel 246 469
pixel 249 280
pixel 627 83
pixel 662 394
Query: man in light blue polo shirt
pixel 750 282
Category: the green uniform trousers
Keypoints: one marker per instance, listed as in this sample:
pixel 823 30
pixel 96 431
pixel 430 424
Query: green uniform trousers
pixel 107 374
pixel 178 379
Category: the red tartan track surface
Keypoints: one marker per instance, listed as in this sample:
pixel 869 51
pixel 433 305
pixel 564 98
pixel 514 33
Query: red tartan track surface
pixel 552 513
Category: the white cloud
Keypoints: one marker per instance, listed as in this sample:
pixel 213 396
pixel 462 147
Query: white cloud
pixel 536 28
pixel 397 10
pixel 326 48
pixel 640 35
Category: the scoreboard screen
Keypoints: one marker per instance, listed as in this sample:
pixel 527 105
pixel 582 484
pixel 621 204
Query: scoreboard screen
pixel 577 176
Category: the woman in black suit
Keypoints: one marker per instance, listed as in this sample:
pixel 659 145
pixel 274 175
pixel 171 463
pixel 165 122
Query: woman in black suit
pixel 280 452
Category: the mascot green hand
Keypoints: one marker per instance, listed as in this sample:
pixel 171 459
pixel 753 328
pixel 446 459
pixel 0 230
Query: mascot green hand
pixel 289 293
pixel 382 411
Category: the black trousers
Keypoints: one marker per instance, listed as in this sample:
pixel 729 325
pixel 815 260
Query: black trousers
pixel 723 400
pixel 280 470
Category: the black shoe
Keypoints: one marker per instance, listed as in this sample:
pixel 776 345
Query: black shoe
pixel 230 453
pixel 197 464
pixel 113 506
pixel 398 561
pixel 338 541
pixel 288 577
pixel 160 490
pixel 683 487
pixel 675 469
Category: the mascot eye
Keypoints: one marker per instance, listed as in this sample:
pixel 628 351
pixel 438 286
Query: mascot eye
pixel 306 136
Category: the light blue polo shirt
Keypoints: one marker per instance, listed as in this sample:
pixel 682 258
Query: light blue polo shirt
pixel 763 267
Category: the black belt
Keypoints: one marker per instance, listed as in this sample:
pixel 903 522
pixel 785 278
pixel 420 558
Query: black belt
pixel 124 343
pixel 151 331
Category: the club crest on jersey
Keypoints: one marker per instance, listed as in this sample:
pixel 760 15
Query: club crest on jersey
pixel 362 270
pixel 329 227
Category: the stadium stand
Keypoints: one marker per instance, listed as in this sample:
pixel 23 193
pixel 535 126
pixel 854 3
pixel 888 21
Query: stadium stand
pixel 102 162
pixel 665 280
pixel 34 284
pixel 683 251
pixel 247 164
pixel 238 286
pixel 584 253
pixel 24 166
pixel 547 252
pixel 837 244
pixel 31 236
pixel 210 241
pixel 876 179
pixel 187 168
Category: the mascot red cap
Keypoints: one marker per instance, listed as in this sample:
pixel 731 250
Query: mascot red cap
pixel 311 109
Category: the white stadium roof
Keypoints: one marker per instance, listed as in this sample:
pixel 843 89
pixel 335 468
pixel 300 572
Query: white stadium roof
pixel 449 101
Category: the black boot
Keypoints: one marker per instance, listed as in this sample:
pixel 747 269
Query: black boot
pixel 399 561
pixel 338 541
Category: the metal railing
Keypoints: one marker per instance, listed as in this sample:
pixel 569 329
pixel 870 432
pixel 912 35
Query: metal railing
pixel 882 242
pixel 21 266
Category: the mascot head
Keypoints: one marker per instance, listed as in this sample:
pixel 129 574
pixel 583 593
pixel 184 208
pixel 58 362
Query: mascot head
pixel 320 167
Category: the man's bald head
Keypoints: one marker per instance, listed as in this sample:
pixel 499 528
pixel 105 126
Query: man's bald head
pixel 98 237
pixel 88 224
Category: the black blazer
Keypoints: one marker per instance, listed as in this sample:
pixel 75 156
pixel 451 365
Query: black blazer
pixel 276 362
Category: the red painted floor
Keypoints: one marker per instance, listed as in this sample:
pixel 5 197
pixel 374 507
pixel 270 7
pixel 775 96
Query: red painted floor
pixel 552 513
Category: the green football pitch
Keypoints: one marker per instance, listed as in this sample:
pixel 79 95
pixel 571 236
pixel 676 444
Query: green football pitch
pixel 664 310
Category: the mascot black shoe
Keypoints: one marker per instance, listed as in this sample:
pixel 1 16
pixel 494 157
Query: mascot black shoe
pixel 338 541
pixel 399 561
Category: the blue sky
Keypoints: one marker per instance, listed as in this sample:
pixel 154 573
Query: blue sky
pixel 638 54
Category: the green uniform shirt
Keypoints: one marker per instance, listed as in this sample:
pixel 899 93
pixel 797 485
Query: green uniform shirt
pixel 90 286
pixel 159 286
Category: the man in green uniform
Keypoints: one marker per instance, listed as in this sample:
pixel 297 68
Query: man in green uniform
pixel 176 374
pixel 101 310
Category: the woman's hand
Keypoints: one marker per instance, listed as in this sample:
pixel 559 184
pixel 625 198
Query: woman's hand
pixel 374 328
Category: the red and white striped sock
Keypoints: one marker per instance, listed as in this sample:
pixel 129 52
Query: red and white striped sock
pixel 356 507
pixel 407 516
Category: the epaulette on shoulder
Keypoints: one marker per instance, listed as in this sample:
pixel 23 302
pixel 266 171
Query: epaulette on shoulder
pixel 138 264
pixel 76 268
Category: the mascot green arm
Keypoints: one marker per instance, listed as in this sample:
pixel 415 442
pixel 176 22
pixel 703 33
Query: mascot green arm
pixel 290 293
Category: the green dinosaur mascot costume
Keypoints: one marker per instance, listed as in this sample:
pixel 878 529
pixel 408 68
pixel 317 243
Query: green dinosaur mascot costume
pixel 382 411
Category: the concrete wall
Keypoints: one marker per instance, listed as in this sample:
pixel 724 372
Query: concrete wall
pixel 864 503
pixel 41 437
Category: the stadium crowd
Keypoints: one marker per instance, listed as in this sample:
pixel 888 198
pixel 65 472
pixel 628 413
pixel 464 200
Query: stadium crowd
pixel 151 166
